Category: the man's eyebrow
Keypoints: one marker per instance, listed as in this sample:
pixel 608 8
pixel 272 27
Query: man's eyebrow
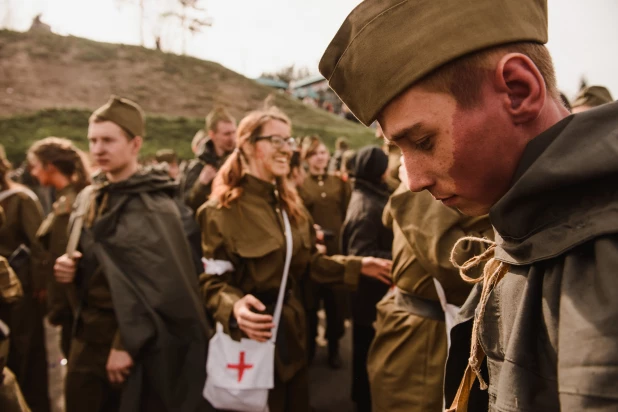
pixel 408 132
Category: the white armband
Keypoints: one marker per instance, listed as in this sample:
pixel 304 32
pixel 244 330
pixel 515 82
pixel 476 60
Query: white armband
pixel 217 267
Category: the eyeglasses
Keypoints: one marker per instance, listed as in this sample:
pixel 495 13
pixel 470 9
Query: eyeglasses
pixel 278 141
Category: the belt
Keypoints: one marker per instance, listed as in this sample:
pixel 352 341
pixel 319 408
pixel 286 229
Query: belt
pixel 416 305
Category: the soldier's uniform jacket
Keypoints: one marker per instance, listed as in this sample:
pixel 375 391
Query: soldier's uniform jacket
pixel 407 357
pixel 53 235
pixel 192 190
pixel 326 198
pixel 249 235
pixel 551 325
pixel 23 218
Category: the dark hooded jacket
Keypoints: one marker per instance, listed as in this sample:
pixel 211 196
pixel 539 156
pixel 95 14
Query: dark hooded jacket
pixel 363 233
pixel 138 242
pixel 550 330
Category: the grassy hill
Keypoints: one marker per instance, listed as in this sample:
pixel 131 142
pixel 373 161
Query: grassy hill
pixel 50 84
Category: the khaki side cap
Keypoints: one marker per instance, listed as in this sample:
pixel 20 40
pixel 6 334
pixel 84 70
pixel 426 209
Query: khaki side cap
pixel 125 113
pixel 385 46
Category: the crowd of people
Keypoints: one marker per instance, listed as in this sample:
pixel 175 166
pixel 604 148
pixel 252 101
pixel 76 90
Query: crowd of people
pixel 481 225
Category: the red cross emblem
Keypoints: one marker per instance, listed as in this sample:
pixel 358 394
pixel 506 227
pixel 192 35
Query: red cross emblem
pixel 241 366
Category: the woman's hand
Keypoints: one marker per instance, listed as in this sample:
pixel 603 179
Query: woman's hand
pixel 256 326
pixel 377 268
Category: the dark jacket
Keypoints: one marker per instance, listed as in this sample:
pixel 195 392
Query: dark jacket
pixel 363 233
pixel 550 329
pixel 143 260
pixel 192 191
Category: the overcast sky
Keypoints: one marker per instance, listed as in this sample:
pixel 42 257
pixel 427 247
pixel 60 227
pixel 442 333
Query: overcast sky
pixel 254 36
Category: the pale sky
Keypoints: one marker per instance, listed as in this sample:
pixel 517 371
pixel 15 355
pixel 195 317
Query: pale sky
pixel 253 36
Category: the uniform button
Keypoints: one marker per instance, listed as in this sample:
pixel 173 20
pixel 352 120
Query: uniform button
pixel 323 194
pixel 276 192
pixel 321 183
pixel 278 210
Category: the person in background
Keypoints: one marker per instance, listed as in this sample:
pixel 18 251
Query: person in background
pixel 407 357
pixel 364 235
pixel 57 163
pixel 394 160
pixel 341 145
pixel 28 357
pixel 169 157
pixel 212 150
pixel 590 97
pixel 134 348
pixel 326 198
pixel 243 237
pixel 11 398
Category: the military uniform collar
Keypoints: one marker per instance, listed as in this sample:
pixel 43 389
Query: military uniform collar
pixel 260 188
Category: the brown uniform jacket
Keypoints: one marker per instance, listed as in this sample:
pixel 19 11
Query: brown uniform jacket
pixel 550 328
pixel 249 234
pixel 23 217
pixel 326 198
pixel 406 360
pixel 53 235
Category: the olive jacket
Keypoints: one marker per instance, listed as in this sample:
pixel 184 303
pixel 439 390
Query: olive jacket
pixel 550 326
pixel 407 357
pixel 249 234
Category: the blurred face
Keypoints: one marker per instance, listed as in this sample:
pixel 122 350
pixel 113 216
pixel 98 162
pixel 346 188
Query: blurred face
pixel 319 161
pixel 266 160
pixel 40 171
pixel 111 149
pixel 224 137
pixel 463 157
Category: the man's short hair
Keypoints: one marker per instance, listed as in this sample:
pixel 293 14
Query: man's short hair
pixel 216 116
pixel 463 77
pixel 166 155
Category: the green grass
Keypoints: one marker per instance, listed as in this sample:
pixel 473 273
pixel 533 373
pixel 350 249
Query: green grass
pixel 17 133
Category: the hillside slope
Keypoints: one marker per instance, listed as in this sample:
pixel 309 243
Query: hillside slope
pixel 41 71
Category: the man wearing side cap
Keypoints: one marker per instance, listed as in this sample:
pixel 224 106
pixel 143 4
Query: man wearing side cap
pixel 469 96
pixel 590 97
pixel 140 332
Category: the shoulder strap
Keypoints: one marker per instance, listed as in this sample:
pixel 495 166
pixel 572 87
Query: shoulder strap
pixel 10 192
pixel 78 222
pixel 286 271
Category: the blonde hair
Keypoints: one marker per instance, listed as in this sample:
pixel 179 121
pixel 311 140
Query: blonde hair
pixel 218 115
pixel 462 78
pixel 69 160
pixel 226 186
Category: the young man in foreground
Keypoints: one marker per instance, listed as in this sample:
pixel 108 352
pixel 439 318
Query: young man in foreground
pixel 469 96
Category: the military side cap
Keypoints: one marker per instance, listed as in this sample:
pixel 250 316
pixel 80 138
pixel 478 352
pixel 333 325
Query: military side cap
pixel 593 96
pixel 125 113
pixel 385 46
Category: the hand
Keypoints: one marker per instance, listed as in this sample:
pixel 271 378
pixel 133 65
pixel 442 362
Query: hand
pixel 321 249
pixel 119 364
pixel 207 175
pixel 64 269
pixel 256 326
pixel 319 234
pixel 377 268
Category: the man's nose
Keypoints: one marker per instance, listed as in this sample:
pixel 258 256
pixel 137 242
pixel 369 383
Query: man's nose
pixel 418 178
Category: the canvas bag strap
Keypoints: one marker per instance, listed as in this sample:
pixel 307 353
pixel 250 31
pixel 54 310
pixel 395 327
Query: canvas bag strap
pixel 8 193
pixel 286 272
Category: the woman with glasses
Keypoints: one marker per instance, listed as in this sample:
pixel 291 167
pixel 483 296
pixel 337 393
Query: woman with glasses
pixel 244 247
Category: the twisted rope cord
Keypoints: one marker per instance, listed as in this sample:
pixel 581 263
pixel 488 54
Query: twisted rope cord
pixel 493 272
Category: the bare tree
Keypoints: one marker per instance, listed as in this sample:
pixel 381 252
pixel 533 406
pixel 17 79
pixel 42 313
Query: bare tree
pixel 6 15
pixel 191 17
pixel 142 14
pixel 288 74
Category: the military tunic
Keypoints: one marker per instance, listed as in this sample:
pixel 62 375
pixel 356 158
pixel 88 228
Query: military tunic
pixel 326 198
pixel 249 235
pixel 28 357
pixel 408 354
pixel 53 235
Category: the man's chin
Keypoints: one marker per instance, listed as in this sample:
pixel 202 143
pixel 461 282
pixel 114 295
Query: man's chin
pixel 472 209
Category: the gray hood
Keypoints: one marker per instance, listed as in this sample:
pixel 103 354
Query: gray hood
pixel 565 190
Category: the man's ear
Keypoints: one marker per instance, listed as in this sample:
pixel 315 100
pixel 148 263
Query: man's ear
pixel 518 78
pixel 137 142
